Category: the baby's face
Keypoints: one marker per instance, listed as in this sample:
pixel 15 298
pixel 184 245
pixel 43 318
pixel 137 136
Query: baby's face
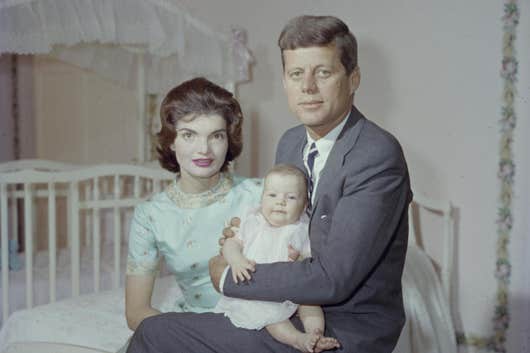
pixel 283 199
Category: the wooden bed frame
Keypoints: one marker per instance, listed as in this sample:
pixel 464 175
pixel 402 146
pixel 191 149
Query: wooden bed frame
pixel 88 191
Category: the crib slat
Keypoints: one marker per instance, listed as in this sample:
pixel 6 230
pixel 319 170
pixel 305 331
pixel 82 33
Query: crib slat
pixel 136 187
pixel 97 236
pixel 87 222
pixel 449 252
pixel 156 186
pixel 74 237
pixel 412 228
pixel 4 251
pixel 52 239
pixel 14 214
pixel 117 232
pixel 28 243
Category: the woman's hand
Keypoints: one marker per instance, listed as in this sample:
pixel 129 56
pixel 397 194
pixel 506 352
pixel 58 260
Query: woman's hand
pixel 241 268
pixel 217 265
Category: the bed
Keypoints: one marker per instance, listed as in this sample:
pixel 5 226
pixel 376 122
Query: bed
pixel 83 283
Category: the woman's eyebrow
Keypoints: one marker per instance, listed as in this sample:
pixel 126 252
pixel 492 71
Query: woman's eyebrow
pixel 216 131
pixel 186 129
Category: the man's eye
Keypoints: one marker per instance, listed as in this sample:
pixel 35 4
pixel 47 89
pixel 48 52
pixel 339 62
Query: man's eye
pixel 323 73
pixel 272 195
pixel 295 74
pixel 293 198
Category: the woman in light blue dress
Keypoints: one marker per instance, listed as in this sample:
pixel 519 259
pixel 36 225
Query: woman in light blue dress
pixel 200 136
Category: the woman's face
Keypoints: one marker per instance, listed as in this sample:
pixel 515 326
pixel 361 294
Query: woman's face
pixel 201 145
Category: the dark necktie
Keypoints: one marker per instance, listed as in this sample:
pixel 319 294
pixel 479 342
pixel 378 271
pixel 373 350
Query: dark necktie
pixel 313 152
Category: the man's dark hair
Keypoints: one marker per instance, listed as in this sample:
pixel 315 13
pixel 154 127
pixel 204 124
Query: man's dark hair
pixel 318 31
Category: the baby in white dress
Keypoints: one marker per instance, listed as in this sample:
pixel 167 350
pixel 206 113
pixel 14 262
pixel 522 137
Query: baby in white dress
pixel 264 236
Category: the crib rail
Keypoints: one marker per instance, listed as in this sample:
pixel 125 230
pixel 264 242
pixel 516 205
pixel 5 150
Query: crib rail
pixel 89 193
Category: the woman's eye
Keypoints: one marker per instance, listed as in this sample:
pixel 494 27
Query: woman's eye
pixel 186 135
pixel 219 136
pixel 293 198
pixel 272 195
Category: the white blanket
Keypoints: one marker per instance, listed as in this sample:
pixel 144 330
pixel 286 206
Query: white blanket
pixel 98 320
pixel 429 328
pixel 93 320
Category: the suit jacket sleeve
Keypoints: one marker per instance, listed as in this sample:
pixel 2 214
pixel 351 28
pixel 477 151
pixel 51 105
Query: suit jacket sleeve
pixel 350 241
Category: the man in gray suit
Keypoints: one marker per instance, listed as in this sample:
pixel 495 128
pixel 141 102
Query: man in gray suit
pixel 358 229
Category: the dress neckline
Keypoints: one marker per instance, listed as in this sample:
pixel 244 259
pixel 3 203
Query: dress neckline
pixel 189 200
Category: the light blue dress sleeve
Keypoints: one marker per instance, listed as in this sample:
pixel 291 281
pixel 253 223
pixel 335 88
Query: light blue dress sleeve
pixel 144 256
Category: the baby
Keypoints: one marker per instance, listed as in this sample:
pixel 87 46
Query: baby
pixel 264 236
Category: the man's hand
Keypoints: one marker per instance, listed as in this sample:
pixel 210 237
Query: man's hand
pixel 241 268
pixel 230 230
pixel 217 265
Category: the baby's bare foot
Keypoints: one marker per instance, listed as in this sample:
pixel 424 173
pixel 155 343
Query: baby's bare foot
pixel 325 344
pixel 306 342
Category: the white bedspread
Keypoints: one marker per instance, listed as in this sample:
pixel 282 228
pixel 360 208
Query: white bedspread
pixel 17 279
pixel 93 320
pixel 98 320
pixel 429 328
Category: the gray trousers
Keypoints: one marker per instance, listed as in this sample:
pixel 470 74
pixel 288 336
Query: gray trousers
pixel 201 333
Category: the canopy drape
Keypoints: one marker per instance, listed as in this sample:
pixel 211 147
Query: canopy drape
pixel 107 36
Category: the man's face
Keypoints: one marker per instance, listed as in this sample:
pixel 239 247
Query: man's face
pixel 319 91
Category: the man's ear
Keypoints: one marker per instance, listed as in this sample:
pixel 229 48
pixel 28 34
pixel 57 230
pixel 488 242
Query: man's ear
pixel 355 79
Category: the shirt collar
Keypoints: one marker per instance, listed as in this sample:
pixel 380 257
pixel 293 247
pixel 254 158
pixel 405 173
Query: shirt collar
pixel 325 143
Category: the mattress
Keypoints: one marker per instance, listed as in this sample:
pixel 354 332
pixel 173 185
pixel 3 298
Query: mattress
pixel 17 279
pixel 95 321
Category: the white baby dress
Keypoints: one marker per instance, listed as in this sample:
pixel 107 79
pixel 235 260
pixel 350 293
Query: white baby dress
pixel 264 243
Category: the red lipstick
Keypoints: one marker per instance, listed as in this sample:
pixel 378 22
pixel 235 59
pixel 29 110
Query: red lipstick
pixel 202 162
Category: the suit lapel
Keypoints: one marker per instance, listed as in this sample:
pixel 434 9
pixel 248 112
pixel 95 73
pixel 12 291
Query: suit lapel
pixel 298 153
pixel 345 142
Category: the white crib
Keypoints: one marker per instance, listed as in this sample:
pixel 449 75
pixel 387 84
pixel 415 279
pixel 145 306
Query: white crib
pixel 95 198
pixel 98 199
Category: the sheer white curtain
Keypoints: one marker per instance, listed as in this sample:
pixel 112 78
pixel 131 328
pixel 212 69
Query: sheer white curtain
pixel 106 36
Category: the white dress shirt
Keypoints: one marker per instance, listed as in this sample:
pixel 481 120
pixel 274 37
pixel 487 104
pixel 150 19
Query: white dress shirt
pixel 324 146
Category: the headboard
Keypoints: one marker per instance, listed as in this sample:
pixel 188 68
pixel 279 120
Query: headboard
pixel 88 191
pixel 445 209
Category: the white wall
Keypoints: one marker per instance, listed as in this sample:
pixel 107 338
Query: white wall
pixel 430 75
pixel 81 117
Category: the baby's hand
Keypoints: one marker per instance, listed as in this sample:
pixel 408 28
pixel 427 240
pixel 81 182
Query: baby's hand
pixel 240 270
pixel 293 254
pixel 230 230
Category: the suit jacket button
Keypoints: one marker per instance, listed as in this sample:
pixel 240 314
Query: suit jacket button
pixel 324 216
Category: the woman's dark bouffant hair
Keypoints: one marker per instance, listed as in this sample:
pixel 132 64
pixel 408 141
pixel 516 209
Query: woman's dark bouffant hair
pixel 198 97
